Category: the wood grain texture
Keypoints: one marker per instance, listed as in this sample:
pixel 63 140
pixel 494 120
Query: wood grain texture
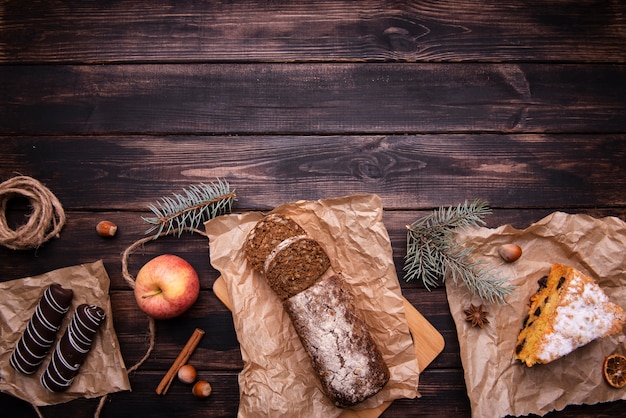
pixel 407 171
pixel 188 30
pixel 328 98
pixel 115 104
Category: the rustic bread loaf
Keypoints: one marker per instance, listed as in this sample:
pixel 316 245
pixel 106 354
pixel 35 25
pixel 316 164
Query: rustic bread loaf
pixel 338 341
pixel 41 330
pixel 344 356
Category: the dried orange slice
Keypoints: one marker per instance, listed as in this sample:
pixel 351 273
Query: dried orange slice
pixel 615 370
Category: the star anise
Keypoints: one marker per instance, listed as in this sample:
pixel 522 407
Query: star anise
pixel 476 315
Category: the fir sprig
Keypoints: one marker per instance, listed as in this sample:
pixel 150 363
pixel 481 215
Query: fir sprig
pixel 190 208
pixel 432 252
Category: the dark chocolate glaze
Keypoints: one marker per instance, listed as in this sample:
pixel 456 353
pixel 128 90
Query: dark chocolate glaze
pixel 73 347
pixel 41 330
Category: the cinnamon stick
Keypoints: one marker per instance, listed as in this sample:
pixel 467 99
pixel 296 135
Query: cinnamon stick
pixel 180 361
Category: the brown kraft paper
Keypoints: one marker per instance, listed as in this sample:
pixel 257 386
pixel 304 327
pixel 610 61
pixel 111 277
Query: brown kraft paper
pixel 102 372
pixel 277 378
pixel 499 385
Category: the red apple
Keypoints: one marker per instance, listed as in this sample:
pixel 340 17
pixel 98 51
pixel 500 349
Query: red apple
pixel 166 286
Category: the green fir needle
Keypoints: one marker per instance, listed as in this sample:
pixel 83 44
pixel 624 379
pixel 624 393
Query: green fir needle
pixel 190 208
pixel 433 254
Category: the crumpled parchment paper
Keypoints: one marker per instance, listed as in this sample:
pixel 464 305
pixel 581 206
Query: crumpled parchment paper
pixel 277 378
pixel 497 384
pixel 103 370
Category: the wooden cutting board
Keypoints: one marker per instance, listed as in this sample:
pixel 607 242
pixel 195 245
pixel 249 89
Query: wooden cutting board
pixel 428 344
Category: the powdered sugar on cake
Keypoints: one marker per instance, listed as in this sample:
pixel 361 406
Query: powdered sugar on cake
pixel 585 313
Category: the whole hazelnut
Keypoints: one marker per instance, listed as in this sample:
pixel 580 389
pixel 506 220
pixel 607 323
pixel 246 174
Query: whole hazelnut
pixel 202 389
pixel 187 374
pixel 510 252
pixel 106 229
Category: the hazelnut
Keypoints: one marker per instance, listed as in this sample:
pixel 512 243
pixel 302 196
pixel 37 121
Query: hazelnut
pixel 202 389
pixel 510 252
pixel 106 229
pixel 187 374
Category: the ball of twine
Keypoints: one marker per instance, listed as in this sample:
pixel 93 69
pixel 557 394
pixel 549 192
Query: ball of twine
pixel 44 222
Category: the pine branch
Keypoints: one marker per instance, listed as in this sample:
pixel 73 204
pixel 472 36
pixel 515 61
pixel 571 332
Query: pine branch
pixel 190 208
pixel 433 254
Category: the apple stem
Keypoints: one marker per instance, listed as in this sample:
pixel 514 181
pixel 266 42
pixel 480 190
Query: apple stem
pixel 153 293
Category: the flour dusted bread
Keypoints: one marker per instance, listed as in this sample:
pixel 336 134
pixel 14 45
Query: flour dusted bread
pixel 322 310
pixel 338 341
pixel 568 311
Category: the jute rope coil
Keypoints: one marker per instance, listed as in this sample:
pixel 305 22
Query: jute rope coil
pixel 45 221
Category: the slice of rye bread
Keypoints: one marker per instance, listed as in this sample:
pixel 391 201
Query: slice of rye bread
pixel 295 265
pixel 266 235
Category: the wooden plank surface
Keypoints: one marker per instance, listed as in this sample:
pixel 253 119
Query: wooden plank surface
pixel 326 98
pixel 407 171
pixel 186 30
pixel 115 105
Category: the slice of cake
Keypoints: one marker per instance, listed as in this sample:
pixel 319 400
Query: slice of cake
pixel 568 311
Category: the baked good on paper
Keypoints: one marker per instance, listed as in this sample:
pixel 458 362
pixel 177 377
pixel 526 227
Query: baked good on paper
pixel 338 341
pixel 41 330
pixel 294 265
pixel 73 347
pixel 266 235
pixel 568 311
pixel 344 356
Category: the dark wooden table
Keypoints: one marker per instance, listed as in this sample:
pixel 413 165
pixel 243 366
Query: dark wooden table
pixel 522 104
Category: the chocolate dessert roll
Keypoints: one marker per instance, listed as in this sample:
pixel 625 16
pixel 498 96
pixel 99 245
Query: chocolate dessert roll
pixel 41 330
pixel 72 349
